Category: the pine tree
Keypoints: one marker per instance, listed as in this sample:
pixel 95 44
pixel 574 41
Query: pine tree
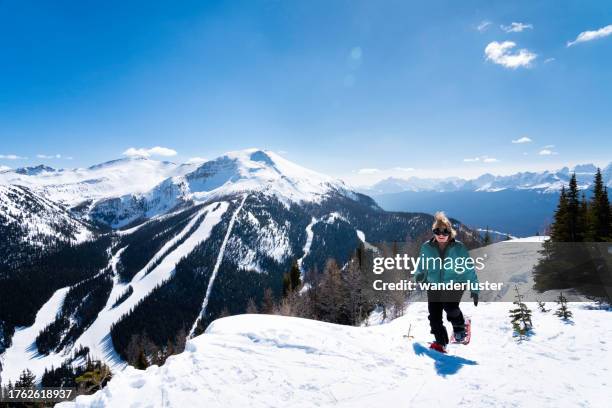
pixel 487 237
pixel 295 275
pixel 574 221
pixel 26 379
pixel 560 227
pixel 542 306
pixel 520 317
pixel 599 217
pixel 563 312
pixel 292 280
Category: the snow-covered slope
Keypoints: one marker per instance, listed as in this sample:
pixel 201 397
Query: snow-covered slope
pixel 38 218
pixel 272 361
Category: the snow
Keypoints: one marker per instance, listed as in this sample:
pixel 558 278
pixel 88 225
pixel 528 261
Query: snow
pixel 307 245
pixel 274 361
pixel 535 238
pixel 213 275
pixel 24 342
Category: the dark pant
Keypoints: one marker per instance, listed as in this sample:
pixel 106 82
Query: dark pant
pixel 448 302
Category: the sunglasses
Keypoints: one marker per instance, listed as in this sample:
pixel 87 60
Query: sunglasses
pixel 444 232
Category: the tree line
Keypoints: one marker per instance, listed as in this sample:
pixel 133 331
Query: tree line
pixel 573 257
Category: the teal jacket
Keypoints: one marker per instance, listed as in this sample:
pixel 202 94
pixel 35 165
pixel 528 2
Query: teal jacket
pixel 439 269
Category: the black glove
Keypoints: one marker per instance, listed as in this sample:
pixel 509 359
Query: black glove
pixel 474 296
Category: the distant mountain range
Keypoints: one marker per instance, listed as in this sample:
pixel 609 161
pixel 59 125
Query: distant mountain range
pixel 520 204
pixel 545 182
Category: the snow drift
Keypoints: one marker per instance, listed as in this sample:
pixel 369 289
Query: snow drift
pixel 273 361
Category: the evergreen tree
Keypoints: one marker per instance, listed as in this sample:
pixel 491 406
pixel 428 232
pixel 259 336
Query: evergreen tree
pixel 292 279
pixel 563 312
pixel 542 306
pixel 487 237
pixel 520 317
pixel 599 217
pixel 27 379
pixel 560 227
pixel 575 222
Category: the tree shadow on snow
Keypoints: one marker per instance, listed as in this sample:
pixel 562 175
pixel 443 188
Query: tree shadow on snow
pixel 443 363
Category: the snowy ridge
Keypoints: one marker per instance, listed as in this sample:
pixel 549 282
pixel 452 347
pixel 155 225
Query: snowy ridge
pixel 273 361
pixel 110 179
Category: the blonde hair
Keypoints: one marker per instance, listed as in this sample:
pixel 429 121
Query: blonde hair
pixel 442 221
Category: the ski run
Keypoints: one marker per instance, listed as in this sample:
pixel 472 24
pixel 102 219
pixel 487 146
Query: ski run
pixel 218 263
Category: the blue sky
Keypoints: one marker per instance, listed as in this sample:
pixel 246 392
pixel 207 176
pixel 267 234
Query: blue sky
pixel 356 89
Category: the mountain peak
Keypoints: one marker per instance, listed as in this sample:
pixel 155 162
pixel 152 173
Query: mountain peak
pixel 34 170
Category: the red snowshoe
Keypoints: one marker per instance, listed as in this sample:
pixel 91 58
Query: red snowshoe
pixel 438 347
pixel 468 333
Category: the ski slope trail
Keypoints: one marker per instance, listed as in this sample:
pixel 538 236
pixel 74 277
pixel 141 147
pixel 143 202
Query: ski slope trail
pixel 24 341
pixel 273 361
pixel 213 275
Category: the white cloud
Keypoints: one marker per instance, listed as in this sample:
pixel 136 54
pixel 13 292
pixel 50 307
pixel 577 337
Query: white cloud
pixel 11 157
pixel 483 26
pixel 406 169
pixel 591 35
pixel 547 60
pixel 484 159
pixel 546 152
pixel 368 171
pixel 501 53
pixel 196 160
pixel 50 156
pixel 4 168
pixel 523 139
pixel 153 151
pixel 548 147
pixel 516 27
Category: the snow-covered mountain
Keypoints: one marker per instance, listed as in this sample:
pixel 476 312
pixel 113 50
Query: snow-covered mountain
pixel 275 361
pixel 172 247
pixel 72 187
pixel 546 182
pixel 250 170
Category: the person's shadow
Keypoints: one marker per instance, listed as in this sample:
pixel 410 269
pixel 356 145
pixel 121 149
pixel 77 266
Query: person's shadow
pixel 443 363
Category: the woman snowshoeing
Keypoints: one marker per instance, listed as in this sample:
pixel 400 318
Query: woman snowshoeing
pixel 444 245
